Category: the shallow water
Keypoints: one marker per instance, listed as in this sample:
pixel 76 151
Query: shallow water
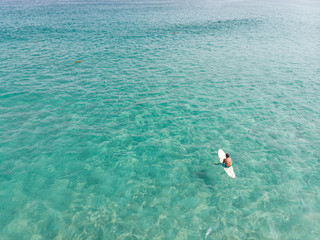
pixel 122 144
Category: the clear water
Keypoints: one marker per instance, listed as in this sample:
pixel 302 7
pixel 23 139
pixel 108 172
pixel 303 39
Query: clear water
pixel 122 144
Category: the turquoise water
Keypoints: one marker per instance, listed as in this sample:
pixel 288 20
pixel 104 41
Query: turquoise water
pixel 122 144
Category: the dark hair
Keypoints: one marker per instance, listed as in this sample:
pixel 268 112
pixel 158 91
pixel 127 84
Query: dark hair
pixel 227 155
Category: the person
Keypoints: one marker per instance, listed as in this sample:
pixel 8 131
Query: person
pixel 227 162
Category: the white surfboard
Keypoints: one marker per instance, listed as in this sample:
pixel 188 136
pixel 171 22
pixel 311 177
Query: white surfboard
pixel 228 170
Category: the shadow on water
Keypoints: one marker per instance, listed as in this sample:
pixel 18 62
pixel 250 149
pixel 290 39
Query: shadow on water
pixel 202 174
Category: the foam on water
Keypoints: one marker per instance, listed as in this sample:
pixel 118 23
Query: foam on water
pixel 121 145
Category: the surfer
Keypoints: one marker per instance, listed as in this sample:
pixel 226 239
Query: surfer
pixel 227 161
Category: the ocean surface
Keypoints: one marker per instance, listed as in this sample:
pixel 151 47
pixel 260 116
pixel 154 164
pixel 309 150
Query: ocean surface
pixel 112 114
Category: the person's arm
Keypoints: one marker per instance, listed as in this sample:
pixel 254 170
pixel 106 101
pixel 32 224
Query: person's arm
pixel 221 163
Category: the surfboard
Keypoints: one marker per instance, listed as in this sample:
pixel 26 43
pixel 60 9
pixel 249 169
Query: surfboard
pixel 228 170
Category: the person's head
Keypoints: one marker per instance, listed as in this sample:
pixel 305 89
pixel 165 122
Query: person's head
pixel 227 155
